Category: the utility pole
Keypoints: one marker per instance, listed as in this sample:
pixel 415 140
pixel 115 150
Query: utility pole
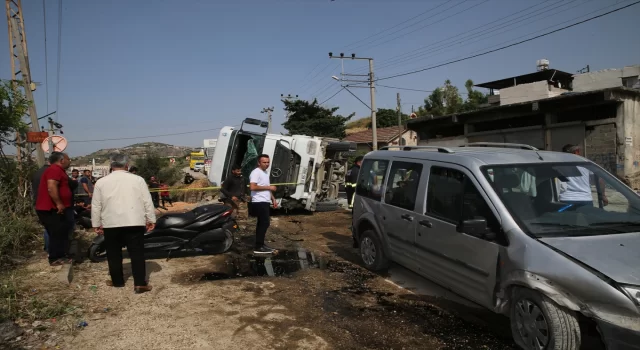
pixel 289 97
pixel 399 108
pixel 268 110
pixel 20 65
pixel 372 92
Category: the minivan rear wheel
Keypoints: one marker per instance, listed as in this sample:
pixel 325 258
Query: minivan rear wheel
pixel 538 323
pixel 371 252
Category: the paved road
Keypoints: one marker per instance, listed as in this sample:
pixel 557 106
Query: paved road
pixel 196 174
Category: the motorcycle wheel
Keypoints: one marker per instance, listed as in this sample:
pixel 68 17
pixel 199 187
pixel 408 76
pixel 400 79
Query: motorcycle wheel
pixel 97 253
pixel 220 248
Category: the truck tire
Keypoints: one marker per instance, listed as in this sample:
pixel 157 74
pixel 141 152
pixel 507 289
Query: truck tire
pixel 536 321
pixel 325 206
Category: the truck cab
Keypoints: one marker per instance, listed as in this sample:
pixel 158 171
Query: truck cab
pixel 307 171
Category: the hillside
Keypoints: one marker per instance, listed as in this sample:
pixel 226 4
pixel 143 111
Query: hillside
pixel 134 151
pixel 357 125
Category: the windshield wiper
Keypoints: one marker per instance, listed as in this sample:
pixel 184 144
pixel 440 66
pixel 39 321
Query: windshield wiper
pixel 557 224
pixel 616 223
pixel 570 226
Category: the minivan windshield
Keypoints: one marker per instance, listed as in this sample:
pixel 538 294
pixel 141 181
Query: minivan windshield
pixel 565 199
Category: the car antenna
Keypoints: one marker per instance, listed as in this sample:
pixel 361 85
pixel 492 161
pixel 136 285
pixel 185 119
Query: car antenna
pixel 539 156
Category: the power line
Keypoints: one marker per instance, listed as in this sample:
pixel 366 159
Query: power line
pixel 332 96
pixel 46 56
pixel 149 136
pixel 510 45
pixel 430 24
pixel 401 88
pixel 447 42
pixel 59 56
pixel 404 22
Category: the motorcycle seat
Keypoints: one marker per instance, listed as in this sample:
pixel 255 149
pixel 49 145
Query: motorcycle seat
pixel 175 220
pixel 209 209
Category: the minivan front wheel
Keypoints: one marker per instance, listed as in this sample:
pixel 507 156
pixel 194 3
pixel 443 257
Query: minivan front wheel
pixel 538 323
pixel 371 252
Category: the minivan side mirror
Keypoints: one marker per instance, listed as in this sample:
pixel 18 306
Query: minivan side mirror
pixel 475 227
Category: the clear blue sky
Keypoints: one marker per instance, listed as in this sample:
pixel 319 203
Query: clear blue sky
pixel 135 68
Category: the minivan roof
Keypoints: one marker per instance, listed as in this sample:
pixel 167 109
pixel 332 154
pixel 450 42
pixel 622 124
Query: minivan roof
pixel 479 156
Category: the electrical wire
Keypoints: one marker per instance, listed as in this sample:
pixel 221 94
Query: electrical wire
pixel 59 56
pixel 332 96
pixel 46 55
pixel 430 50
pixel 149 136
pixel 401 88
pixel 510 45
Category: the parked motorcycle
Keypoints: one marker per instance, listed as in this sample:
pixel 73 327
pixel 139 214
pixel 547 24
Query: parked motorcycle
pixel 208 229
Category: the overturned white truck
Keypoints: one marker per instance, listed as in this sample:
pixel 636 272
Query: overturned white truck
pixel 313 168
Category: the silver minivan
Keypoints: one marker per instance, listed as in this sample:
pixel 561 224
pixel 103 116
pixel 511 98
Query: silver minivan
pixel 549 239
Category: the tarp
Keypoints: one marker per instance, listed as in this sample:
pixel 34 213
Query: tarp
pixel 250 159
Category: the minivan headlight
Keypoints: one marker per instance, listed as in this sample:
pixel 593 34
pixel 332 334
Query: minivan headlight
pixel 633 292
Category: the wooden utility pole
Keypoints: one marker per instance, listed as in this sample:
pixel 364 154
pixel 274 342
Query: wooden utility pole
pixel 20 70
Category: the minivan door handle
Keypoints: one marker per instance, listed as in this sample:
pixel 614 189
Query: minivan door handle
pixel 426 223
pixel 407 217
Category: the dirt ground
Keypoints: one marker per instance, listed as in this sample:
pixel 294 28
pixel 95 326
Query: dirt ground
pixel 218 302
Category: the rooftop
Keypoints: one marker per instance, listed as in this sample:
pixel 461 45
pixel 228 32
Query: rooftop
pixel 385 135
pixel 544 75
pixel 479 156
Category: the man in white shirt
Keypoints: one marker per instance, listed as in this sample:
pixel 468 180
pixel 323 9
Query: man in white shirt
pixel 577 190
pixel 123 211
pixel 261 200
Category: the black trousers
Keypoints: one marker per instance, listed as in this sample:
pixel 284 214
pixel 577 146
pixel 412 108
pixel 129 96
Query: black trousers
pixel 155 198
pixel 167 199
pixel 58 227
pixel 132 237
pixel 261 212
pixel 350 192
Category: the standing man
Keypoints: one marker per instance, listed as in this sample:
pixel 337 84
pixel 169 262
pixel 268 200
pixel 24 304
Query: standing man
pixel 233 188
pixel 261 198
pixel 53 206
pixel 35 183
pixel 577 190
pixel 352 180
pixel 122 210
pixel 133 170
pixel 165 195
pixel 86 187
pixel 154 188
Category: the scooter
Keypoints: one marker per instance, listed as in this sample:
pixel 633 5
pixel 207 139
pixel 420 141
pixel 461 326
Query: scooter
pixel 207 229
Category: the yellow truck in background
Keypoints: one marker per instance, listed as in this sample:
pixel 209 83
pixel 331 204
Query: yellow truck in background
pixel 195 158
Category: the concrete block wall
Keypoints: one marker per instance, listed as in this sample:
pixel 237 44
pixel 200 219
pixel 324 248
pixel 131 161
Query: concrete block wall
pixel 604 79
pixel 601 146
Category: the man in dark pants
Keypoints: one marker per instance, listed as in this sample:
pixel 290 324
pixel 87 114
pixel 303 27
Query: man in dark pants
pixel 351 180
pixel 234 188
pixel 261 200
pixel 35 183
pixel 123 211
pixel 154 188
pixel 53 204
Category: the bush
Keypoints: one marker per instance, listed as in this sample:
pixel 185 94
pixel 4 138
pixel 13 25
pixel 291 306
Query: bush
pixel 154 165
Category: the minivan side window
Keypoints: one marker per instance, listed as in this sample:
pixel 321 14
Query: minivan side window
pixel 451 198
pixel 402 185
pixel 371 178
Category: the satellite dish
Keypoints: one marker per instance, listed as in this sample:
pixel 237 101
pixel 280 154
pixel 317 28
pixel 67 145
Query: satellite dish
pixel 59 143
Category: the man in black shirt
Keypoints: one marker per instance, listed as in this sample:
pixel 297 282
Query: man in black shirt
pixel 234 189
pixel 351 180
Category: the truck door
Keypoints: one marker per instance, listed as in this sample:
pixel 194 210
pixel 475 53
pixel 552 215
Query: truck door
pixel 281 168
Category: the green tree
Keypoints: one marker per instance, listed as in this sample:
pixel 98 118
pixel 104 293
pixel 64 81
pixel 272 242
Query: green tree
pixel 310 118
pixel 387 117
pixel 475 98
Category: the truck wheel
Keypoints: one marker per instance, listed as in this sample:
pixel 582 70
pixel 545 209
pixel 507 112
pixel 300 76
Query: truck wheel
pixel 371 252
pixel 326 206
pixel 538 323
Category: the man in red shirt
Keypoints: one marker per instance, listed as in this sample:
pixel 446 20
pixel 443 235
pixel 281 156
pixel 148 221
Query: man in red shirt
pixel 53 204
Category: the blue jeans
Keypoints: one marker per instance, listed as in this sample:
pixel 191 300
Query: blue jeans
pixel 579 204
pixel 46 241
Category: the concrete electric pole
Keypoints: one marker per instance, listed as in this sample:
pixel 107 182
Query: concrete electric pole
pixel 268 110
pixel 20 65
pixel 372 92
pixel 399 109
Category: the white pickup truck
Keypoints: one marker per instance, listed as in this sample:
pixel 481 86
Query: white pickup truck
pixel 312 167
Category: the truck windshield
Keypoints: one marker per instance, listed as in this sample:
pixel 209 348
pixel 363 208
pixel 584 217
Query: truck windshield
pixel 565 200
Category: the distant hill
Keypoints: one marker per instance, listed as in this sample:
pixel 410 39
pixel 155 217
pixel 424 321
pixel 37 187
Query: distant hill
pixel 357 125
pixel 133 151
